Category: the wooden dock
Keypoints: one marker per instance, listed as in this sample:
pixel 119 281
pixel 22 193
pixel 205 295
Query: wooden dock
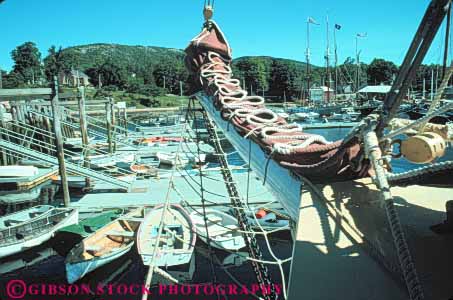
pixel 44 174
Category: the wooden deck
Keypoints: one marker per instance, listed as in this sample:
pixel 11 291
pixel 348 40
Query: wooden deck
pixel 343 237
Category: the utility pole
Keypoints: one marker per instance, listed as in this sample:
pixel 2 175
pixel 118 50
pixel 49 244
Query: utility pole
pixel 180 88
pixel 1 79
pixel 164 82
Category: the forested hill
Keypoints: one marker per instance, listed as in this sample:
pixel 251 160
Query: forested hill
pixel 88 56
pixel 150 64
pixel 259 72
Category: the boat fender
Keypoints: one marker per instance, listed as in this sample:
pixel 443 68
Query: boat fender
pixel 261 213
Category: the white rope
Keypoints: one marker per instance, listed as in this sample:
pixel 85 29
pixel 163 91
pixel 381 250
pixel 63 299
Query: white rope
pixel 293 146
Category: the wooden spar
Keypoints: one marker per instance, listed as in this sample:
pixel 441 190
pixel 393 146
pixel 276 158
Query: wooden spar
pixel 108 115
pixel 59 144
pixel 84 131
pixel 417 51
pixel 4 93
pixel 447 39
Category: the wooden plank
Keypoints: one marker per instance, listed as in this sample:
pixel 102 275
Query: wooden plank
pixel 29 97
pixel 337 225
pixel 73 103
pixel 25 92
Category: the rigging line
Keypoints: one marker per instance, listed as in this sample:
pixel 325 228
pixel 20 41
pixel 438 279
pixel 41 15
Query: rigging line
pixel 208 239
pixel 161 223
pixel 249 171
pixel 200 185
pixel 261 271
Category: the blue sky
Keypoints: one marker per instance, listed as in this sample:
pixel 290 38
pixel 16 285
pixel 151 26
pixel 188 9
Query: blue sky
pixel 265 27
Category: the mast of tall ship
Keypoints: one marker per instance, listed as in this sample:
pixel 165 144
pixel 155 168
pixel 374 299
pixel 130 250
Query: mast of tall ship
pixel 336 58
pixel 328 77
pixel 310 20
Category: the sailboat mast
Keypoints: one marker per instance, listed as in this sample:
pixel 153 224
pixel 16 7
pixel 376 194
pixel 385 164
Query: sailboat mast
pixel 308 60
pixel 327 60
pixel 357 63
pixel 336 61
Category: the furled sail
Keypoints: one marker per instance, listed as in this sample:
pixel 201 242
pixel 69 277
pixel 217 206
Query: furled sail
pixel 208 58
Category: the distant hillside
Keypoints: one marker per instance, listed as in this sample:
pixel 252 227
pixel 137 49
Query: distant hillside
pixel 135 66
pixel 270 59
pixel 87 56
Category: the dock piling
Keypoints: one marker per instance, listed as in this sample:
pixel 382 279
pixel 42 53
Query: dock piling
pixel 84 131
pixel 108 112
pixel 59 142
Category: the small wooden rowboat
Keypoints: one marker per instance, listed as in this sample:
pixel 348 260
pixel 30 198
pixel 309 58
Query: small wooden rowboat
pixel 23 216
pixel 222 229
pixel 177 240
pixel 32 227
pixel 105 245
pixel 171 159
pixel 144 170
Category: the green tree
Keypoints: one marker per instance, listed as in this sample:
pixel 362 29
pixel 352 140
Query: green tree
pixel 255 71
pixel 287 79
pixel 58 61
pixel 381 71
pixel 27 62
pixel 13 80
pixel 111 74
pixel 168 73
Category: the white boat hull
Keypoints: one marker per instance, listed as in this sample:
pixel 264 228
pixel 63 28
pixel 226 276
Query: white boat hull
pixel 20 246
pixel 223 232
pixel 167 259
pixel 75 271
